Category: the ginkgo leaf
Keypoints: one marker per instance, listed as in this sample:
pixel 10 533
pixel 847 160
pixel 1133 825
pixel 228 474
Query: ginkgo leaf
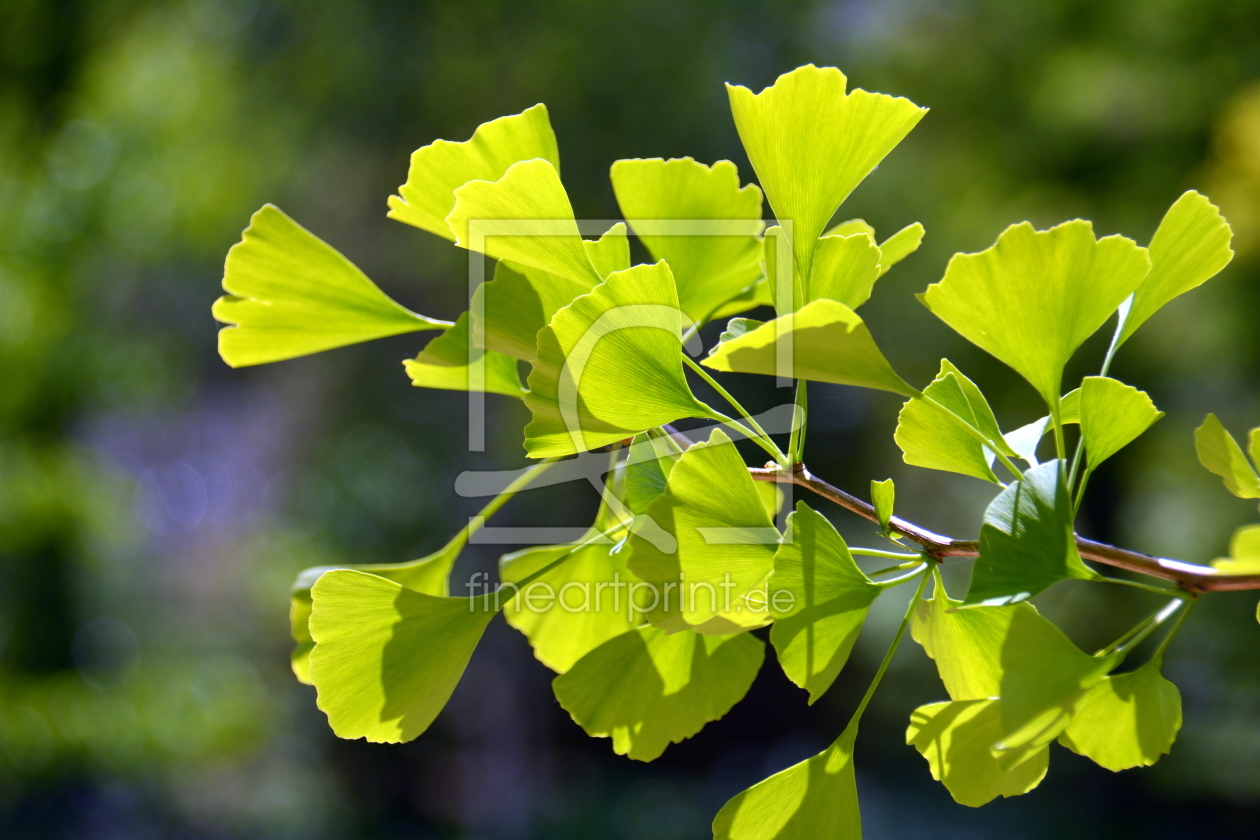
pixel 811 143
pixel 386 657
pixel 1044 675
pixel 1025 440
pixel 520 300
pixel 830 599
pixel 450 362
pixel 1244 553
pixel 725 539
pixel 825 341
pixel 525 217
pixel 900 245
pixel 575 607
pixel 1027 542
pixel 1190 246
pixel 610 366
pixel 699 220
pixel 647 689
pixel 1035 296
pixel 956 739
pixel 291 294
pixel 850 227
pixel 1112 415
pixel 1221 454
pixel 1126 720
pixel 648 464
pixel 440 168
pixel 813 800
pixel 928 438
pixel 1070 407
pixel 883 496
pixel 845 269
pixel 429 575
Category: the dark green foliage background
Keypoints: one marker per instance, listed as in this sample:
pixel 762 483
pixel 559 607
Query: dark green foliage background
pixel 154 505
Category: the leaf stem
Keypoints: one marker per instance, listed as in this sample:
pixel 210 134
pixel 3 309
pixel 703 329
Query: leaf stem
pixel 796 446
pixel 515 486
pixel 768 444
pixel 897 581
pixel 888 555
pixel 995 446
pixel 517 586
pixel 1136 584
pixel 892 650
pixel 1172 632
pixel 1138 634
pixel 901 567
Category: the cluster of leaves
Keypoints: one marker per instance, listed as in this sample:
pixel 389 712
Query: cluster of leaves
pixel 606 343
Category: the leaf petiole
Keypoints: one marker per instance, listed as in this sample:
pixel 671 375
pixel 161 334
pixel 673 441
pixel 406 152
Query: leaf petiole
pixel 994 446
pixel 892 650
pixel 760 435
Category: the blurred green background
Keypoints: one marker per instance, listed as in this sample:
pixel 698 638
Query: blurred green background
pixel 154 505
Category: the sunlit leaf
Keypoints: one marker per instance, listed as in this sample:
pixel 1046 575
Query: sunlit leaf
pixel 811 143
pixel 725 539
pixel 1027 541
pixel 611 252
pixel 429 575
pixel 956 739
pixel 1112 415
pixel 1221 454
pixel 830 597
pixel 438 169
pixel 1044 675
pixel 1126 720
pixel 1070 407
pixel 665 200
pixel 1025 440
pixel 850 227
pixel 450 361
pixel 825 341
pixel 757 295
pixel 386 657
pixel 813 800
pixel 883 496
pixel 651 458
pixel 610 366
pixel 1244 553
pixel 1190 246
pixel 845 269
pixel 965 644
pixel 291 294
pixel 525 217
pixel 575 607
pixel 928 438
pixel 1035 296
pixel 900 245
pixel 647 689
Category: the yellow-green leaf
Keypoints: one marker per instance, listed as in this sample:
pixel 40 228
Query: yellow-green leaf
pixel 900 245
pixel 1221 454
pixel 1244 553
pixel 449 361
pixel 647 689
pixel 443 166
pixel 291 294
pixel 811 143
pixel 610 366
pixel 525 217
pixel 1112 415
pixel 965 644
pixel 1035 296
pixel 830 597
pixel 845 269
pixel 699 220
pixel 386 657
pixel 1126 720
pixel 1189 248
pixel 825 341
pixel 883 496
pixel 928 438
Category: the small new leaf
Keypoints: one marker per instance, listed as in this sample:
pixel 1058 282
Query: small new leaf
pixel 291 294
pixel 930 439
pixel 1221 454
pixel 450 362
pixel 900 245
pixel 883 495
pixel 1244 553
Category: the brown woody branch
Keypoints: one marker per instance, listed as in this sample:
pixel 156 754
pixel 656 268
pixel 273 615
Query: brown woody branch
pixel 1187 576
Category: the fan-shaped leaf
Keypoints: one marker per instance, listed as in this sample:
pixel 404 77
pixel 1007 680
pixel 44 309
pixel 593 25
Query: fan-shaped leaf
pixel 1244 553
pixel 930 439
pixel 440 168
pixel 845 269
pixel 291 294
pixel 1126 720
pixel 900 245
pixel 448 362
pixel 1221 454
pixel 1112 415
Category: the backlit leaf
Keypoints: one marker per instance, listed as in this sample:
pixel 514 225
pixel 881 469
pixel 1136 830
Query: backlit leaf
pixel 845 269
pixel 883 496
pixel 811 143
pixel 830 597
pixel 1027 541
pixel 827 342
pixel 525 217
pixel 1112 415
pixel 1025 440
pixel 850 227
pixel 965 644
pixel 900 245
pixel 646 689
pixel 1190 246
pixel 725 539
pixel 665 200
pixel 651 458
pixel 610 366
pixel 291 294
pixel 438 169
pixel 1126 720
pixel 956 738
pixel 386 657
pixel 1221 454
pixel 813 800
pixel 1035 296
pixel 928 438
pixel 448 362
pixel 1244 553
